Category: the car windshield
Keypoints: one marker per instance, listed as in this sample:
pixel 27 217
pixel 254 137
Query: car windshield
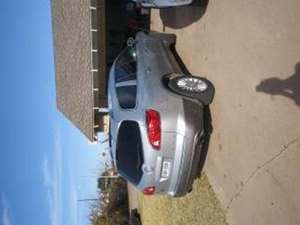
pixel 129 152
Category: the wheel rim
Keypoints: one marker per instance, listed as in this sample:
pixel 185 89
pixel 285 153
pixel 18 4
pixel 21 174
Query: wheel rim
pixel 192 84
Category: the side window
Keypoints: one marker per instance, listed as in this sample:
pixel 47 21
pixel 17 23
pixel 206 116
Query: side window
pixel 125 78
pixel 127 96
pixel 126 66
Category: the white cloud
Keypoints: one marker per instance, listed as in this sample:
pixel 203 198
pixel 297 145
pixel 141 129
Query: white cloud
pixel 46 172
pixel 52 180
pixel 6 216
pixel 53 175
pixel 73 206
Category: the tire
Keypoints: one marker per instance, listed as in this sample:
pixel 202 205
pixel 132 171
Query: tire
pixel 193 87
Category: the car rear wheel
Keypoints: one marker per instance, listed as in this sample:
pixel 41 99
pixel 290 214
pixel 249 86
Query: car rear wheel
pixel 194 87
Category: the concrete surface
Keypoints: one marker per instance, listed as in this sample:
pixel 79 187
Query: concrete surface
pixel 132 197
pixel 250 50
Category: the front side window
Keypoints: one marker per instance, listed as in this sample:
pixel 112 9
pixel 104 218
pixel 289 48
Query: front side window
pixel 129 152
pixel 126 67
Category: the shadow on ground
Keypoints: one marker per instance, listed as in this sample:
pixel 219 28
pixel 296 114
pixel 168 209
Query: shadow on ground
pixel 179 60
pixel 208 128
pixel 179 17
pixel 289 88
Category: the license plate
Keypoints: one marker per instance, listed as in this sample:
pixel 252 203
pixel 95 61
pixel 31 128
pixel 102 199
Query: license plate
pixel 166 168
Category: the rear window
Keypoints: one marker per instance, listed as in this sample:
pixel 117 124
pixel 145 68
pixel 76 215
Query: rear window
pixel 129 152
pixel 127 96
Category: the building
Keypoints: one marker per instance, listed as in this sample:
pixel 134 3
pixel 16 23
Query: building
pixel 88 35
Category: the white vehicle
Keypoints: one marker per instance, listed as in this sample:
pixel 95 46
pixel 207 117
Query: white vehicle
pixel 162 3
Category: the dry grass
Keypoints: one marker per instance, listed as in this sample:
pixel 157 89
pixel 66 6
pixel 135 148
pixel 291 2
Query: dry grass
pixel 200 207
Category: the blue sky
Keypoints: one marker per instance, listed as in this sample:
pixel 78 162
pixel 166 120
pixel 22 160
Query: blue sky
pixel 46 165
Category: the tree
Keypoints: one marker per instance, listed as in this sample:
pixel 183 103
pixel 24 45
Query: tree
pixel 111 208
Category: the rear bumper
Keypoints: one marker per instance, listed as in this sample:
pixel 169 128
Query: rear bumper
pixel 189 169
pixel 188 151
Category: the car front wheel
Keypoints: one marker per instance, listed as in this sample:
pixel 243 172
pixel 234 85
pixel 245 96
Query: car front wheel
pixel 193 87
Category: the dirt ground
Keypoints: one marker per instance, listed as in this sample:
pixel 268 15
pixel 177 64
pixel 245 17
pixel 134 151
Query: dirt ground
pixel 200 207
pixel 250 50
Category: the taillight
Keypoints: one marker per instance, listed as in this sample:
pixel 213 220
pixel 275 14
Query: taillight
pixel 153 127
pixel 149 190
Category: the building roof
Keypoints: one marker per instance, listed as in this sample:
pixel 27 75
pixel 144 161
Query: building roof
pixel 77 65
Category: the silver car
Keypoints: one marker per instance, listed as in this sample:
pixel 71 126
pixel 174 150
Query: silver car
pixel 156 113
pixel 162 3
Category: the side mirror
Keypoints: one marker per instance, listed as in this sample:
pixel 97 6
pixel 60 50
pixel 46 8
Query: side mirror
pixel 131 42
